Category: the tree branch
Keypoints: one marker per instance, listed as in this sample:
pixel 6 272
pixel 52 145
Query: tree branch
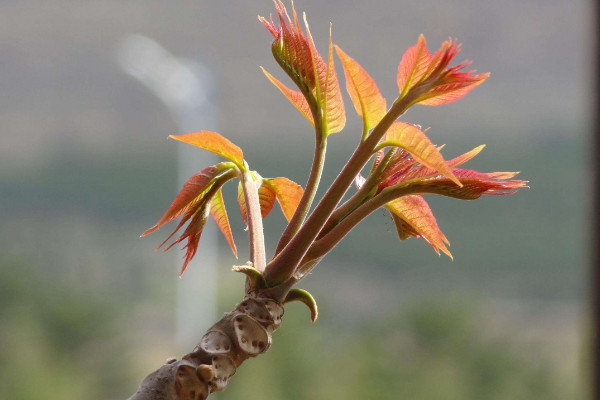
pixel 240 334
pixel 283 265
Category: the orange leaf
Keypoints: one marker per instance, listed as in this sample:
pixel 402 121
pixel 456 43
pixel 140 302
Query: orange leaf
pixel 294 96
pixel 414 141
pixel 241 199
pixel 215 143
pixel 288 194
pixel 190 194
pixel 413 66
pixel 333 103
pixel 219 214
pixel 266 198
pixel 413 217
pixel 453 90
pixel 327 89
pixel 455 162
pixel 366 97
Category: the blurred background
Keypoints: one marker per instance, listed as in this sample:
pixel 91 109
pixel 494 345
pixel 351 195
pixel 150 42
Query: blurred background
pixel 87 309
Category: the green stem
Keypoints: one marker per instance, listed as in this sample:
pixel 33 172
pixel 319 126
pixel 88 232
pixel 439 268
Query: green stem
pixel 255 226
pixel 309 193
pixel 284 264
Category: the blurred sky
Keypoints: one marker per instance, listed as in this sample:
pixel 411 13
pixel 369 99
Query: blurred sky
pixel 71 122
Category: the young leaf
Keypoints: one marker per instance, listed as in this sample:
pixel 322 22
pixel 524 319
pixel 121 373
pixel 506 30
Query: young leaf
pixel 414 141
pixel 192 234
pixel 290 47
pixel 288 194
pixel 294 96
pixel 423 172
pixel 266 197
pixel 190 194
pixel 317 80
pixel 474 184
pixel 327 90
pixel 442 84
pixel 413 217
pixel 219 214
pixel 334 111
pixel 366 97
pixel 215 143
pixel 413 66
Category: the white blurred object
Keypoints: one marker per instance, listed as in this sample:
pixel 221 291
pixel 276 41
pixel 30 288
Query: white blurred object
pixel 187 89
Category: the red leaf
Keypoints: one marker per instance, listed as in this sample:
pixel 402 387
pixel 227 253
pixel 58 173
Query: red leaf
pixel 288 194
pixel 366 97
pixel 215 143
pixel 190 194
pixel 441 84
pixel 192 234
pixel 219 214
pixel 411 139
pixel 317 80
pixel 290 47
pixel 413 217
pixel 474 184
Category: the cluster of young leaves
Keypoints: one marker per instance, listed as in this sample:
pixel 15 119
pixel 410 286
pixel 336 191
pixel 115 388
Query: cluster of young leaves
pixel 406 164
pixel 202 194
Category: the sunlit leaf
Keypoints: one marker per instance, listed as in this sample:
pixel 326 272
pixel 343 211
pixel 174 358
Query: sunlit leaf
pixel 413 66
pixel 333 103
pixel 474 184
pixel 317 80
pixel 219 214
pixel 423 171
pixel 455 88
pixel 288 194
pixel 294 96
pixel 414 141
pixel 266 198
pixel 440 84
pixel 366 97
pixel 190 194
pixel 215 143
pixel 290 47
pixel 463 158
pixel 413 217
